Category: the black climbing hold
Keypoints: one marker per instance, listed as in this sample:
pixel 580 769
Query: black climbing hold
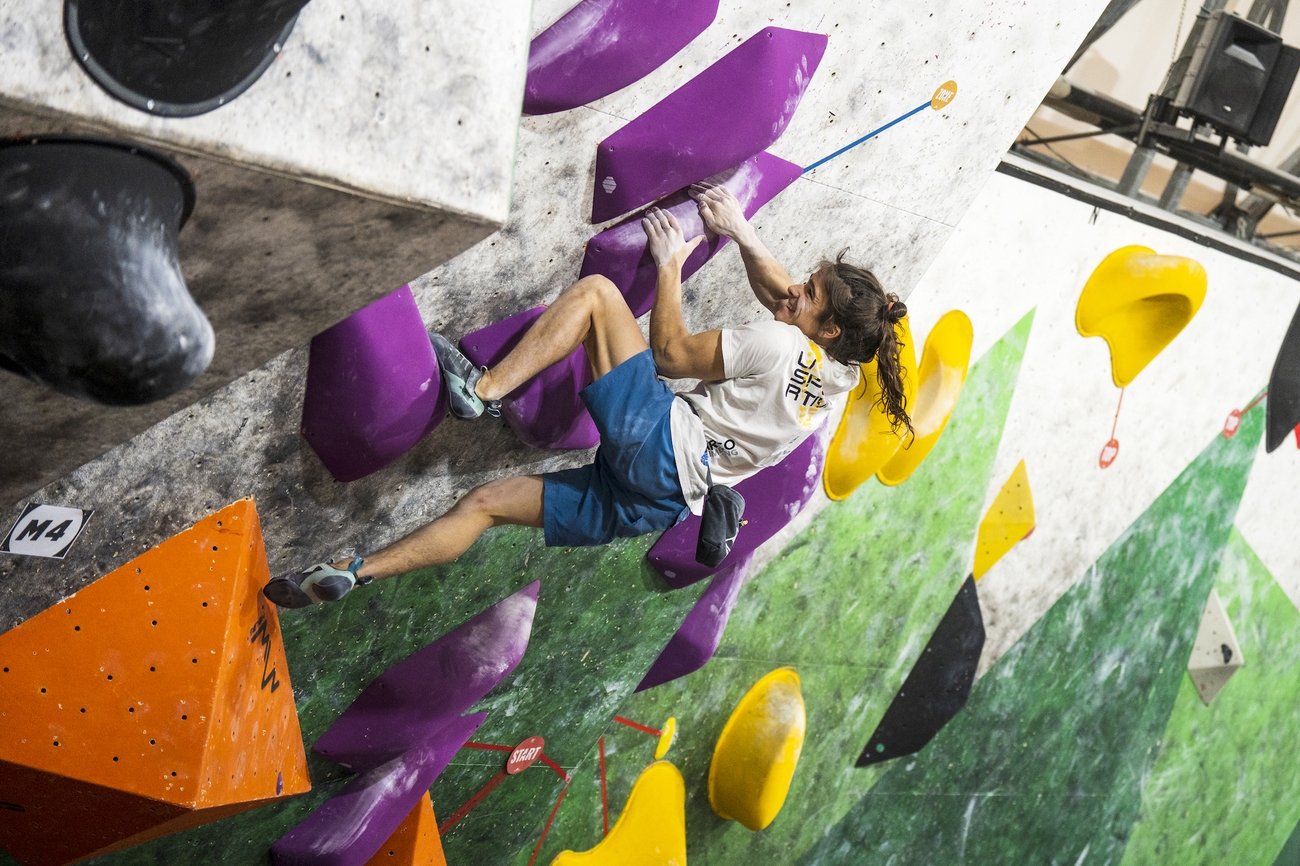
pixel 177 58
pixel 1284 388
pixel 1227 653
pixel 937 686
pixel 92 301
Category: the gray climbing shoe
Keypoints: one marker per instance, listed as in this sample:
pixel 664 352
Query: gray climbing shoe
pixel 460 376
pixel 320 583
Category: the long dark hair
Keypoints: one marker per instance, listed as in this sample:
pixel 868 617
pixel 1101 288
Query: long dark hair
pixel 868 319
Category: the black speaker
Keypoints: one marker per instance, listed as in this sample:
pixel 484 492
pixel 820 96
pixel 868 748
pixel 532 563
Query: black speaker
pixel 1238 79
pixel 92 301
pixel 1275 93
pixel 177 58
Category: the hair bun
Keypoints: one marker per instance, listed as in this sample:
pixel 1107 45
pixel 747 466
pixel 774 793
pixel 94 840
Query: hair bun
pixel 895 310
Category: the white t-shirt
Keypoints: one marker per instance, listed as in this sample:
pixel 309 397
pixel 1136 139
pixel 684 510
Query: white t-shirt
pixel 779 385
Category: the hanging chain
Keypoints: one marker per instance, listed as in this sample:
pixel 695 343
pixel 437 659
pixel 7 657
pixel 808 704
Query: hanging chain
pixel 1179 35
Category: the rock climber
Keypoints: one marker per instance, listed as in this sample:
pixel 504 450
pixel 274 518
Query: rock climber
pixel 764 387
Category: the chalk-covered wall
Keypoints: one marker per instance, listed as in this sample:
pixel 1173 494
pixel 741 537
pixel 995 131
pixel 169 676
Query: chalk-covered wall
pixel 894 201
pixel 1082 741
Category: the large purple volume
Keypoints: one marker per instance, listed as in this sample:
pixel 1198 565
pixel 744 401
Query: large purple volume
pixel 602 46
pixel 373 388
pixel 773 496
pixel 697 640
pixel 619 252
pixel 721 117
pixel 414 698
pixel 348 828
pixel 546 411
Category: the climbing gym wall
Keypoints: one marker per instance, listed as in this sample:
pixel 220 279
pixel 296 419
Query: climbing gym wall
pixel 970 644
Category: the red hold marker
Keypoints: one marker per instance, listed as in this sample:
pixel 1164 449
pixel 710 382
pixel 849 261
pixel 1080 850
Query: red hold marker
pixel 1233 424
pixel 1108 454
pixel 525 755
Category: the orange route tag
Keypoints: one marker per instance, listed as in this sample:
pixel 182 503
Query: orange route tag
pixel 944 96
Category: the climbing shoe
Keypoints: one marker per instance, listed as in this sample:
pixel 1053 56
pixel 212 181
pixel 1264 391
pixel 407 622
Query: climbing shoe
pixel 460 376
pixel 317 584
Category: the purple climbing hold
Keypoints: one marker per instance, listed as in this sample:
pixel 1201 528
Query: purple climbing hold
pixel 348 828
pixel 721 117
pixel 619 252
pixel 602 46
pixel 546 411
pixel 773 497
pixel 695 642
pixel 417 697
pixel 373 388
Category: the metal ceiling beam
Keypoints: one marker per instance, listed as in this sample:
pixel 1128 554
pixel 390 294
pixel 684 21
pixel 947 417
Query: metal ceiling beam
pixel 1181 144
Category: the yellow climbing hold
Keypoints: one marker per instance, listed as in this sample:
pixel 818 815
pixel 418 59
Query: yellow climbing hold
pixel 666 738
pixel 652 829
pixel 864 441
pixel 758 751
pixel 1138 302
pixel 944 362
pixel 1008 521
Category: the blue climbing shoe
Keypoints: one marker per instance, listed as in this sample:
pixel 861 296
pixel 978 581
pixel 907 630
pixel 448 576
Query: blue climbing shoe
pixel 460 376
pixel 317 584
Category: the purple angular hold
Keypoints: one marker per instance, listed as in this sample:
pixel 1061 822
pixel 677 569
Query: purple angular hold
pixel 773 497
pixel 348 828
pixel 601 46
pixel 373 388
pixel 697 640
pixel 619 252
pixel 546 411
pixel 721 117
pixel 419 695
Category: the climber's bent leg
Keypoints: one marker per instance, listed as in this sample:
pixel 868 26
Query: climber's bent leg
pixel 590 313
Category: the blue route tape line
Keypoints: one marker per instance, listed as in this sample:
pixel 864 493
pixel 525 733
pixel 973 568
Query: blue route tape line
pixel 868 136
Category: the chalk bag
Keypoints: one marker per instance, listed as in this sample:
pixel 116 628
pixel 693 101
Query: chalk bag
pixel 177 58
pixel 92 301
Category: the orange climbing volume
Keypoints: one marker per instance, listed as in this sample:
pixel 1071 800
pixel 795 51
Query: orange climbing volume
pixel 415 842
pixel 154 700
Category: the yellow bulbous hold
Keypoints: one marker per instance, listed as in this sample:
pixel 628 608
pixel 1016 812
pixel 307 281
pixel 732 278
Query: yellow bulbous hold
pixel 944 362
pixel 864 441
pixel 1008 521
pixel 666 738
pixel 1138 301
pixel 758 750
pixel 652 829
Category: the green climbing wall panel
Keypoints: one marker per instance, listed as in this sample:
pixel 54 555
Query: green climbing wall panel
pixel 1215 794
pixel 1045 765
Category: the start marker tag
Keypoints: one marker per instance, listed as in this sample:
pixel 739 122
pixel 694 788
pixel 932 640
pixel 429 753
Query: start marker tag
pixel 45 530
pixel 525 755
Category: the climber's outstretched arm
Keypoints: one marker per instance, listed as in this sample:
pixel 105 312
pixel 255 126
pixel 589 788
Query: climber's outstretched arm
pixel 678 353
pixel 722 214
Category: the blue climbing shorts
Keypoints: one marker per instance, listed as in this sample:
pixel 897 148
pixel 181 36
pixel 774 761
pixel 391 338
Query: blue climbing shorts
pixel 632 486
